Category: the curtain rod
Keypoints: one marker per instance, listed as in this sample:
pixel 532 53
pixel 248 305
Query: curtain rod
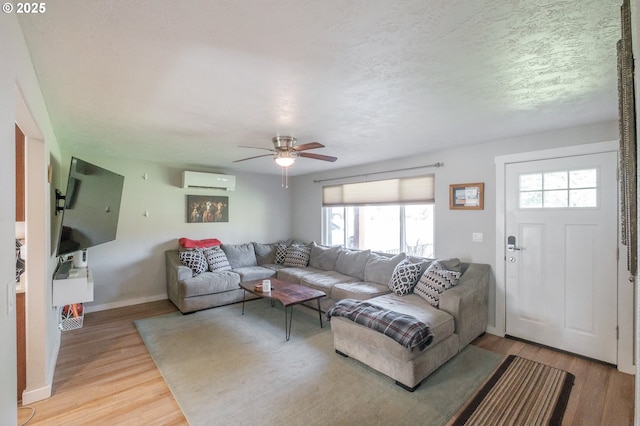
pixel 378 173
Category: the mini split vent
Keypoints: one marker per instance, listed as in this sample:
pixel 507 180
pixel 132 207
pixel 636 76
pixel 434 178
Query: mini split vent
pixel 208 181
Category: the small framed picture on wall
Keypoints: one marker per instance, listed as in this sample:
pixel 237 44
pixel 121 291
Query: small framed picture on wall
pixel 466 196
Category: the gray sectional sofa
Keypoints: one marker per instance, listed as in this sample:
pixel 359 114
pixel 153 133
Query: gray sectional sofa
pixel 339 273
pixel 349 274
pixel 460 317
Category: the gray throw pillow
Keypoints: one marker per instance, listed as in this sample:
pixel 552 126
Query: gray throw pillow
pixel 265 253
pixel 240 255
pixel 379 269
pixel 352 262
pixel 323 257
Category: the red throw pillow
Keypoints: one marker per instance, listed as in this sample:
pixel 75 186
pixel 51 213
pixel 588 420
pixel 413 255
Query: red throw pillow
pixel 208 242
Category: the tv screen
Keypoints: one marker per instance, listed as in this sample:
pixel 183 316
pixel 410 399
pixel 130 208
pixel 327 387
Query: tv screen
pixel 91 207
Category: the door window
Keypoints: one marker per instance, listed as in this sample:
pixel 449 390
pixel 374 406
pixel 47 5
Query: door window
pixel 559 189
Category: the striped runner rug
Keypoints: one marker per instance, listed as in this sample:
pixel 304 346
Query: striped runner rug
pixel 520 392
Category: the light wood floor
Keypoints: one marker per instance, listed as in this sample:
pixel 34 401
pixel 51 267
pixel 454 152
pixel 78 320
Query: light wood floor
pixel 105 376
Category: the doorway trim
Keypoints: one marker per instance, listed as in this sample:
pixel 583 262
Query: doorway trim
pixel 625 288
pixel 40 317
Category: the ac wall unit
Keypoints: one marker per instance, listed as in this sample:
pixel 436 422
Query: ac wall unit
pixel 208 180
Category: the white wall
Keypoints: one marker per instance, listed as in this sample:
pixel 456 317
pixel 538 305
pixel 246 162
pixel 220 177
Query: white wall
pixel 131 269
pixel 8 410
pixel 474 163
pixel 21 101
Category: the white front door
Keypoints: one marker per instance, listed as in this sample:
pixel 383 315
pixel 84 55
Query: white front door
pixel 561 258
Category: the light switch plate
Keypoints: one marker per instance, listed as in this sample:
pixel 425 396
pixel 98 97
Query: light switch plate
pixel 11 297
pixel 477 237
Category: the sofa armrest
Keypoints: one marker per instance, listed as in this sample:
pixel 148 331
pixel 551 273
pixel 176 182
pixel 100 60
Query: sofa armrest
pixel 176 272
pixel 176 267
pixel 468 303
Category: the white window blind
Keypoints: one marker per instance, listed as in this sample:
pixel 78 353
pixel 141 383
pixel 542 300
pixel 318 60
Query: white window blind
pixel 408 190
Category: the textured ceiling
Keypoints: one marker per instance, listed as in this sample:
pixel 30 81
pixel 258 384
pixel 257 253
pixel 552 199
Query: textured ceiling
pixel 187 82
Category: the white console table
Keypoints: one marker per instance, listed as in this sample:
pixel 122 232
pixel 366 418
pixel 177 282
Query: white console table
pixel 77 288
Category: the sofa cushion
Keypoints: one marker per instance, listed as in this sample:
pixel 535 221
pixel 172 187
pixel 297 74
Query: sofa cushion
pixel 297 255
pixel 358 290
pixel 404 277
pixel 265 253
pixel 352 262
pixel 217 259
pixel 240 255
pixel 250 273
pixel 274 266
pixel 435 280
pixel 293 275
pixel 441 323
pixel 281 254
pixel 379 269
pixel 325 280
pixel 195 260
pixel 323 257
pixel 209 283
pixel 450 263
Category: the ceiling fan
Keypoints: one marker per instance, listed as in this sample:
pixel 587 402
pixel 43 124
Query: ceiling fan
pixel 286 151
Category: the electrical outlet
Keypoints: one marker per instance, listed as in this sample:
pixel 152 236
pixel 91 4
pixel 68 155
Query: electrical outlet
pixel 477 237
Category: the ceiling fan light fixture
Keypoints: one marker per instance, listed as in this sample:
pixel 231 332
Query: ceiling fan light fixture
pixel 285 160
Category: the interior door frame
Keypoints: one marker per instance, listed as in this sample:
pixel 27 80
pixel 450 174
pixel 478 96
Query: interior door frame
pixel 625 287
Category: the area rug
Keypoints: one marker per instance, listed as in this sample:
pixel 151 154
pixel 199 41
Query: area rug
pixel 520 392
pixel 227 368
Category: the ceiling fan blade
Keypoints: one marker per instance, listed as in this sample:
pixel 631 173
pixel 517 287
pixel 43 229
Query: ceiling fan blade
pixel 317 156
pixel 251 158
pixel 257 147
pixel 306 146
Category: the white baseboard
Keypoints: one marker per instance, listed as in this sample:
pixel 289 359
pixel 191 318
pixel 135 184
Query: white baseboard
pixel 44 392
pixel 495 331
pixel 123 303
pixel 31 396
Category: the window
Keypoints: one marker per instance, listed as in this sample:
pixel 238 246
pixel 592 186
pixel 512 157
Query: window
pixel 389 216
pixel 387 229
pixel 559 189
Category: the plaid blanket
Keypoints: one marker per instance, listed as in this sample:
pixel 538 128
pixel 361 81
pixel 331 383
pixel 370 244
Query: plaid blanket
pixel 404 329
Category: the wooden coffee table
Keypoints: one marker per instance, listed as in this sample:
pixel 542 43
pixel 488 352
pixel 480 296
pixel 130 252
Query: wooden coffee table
pixel 288 294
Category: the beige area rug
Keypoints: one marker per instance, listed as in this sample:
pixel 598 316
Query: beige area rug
pixel 520 392
pixel 225 368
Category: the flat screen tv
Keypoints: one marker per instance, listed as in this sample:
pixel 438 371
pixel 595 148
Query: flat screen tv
pixel 91 207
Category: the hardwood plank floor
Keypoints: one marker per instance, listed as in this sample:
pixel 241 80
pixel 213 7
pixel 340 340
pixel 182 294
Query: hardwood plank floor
pixel 601 395
pixel 105 376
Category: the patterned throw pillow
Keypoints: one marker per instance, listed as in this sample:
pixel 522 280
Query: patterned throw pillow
pixel 195 260
pixel 434 282
pixel 217 259
pixel 281 254
pixel 297 256
pixel 404 277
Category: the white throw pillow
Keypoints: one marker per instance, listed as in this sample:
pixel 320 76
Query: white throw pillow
pixel 434 282
pixel 297 256
pixel 217 259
